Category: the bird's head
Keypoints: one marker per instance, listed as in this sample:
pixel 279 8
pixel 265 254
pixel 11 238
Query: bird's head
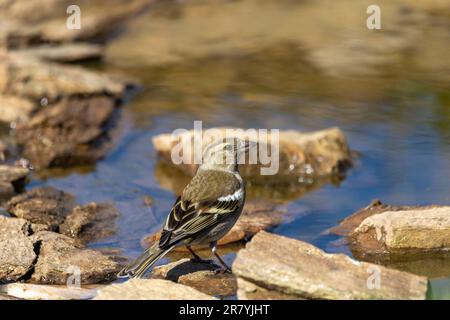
pixel 225 154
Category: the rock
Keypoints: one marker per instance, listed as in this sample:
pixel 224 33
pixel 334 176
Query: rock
pixel 61 257
pixel 16 109
pixel 90 222
pixel 150 289
pixel 44 292
pixel 200 276
pixel 301 155
pixel 48 22
pixel 70 132
pixel 256 216
pixel 297 268
pixel 408 233
pixel 36 80
pixel 72 111
pixel 17 253
pixel 250 291
pixel 349 224
pixel 72 52
pixel 44 205
pixel 12 180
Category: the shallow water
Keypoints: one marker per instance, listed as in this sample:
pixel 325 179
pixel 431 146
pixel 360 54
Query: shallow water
pixel 261 77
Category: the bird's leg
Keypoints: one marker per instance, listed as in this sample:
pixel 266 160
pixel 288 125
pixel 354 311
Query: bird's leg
pixel 225 267
pixel 197 258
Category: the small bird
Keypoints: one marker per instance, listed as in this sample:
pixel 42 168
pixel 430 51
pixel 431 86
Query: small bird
pixel 207 209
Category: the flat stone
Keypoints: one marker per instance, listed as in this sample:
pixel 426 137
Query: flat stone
pixel 44 205
pixel 350 223
pixel 257 215
pixel 48 25
pixel 407 233
pixel 297 268
pixel 250 291
pixel 35 79
pixel 31 291
pixel 200 276
pixel 71 52
pixel 306 156
pixel 90 222
pixel 150 289
pixel 17 253
pixel 61 257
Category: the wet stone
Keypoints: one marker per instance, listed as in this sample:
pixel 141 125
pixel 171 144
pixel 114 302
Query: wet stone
pixel 44 205
pixel 72 52
pixel 297 268
pixel 73 131
pixel 90 222
pixel 404 234
pixel 61 257
pixel 302 155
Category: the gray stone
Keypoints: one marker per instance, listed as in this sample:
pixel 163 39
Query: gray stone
pixel 297 268
pixel 150 289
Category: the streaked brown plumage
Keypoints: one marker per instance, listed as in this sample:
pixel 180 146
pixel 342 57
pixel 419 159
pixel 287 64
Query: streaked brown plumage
pixel 207 209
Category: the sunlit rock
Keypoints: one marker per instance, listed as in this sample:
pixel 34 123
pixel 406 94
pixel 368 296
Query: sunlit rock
pixel 297 268
pixel 150 289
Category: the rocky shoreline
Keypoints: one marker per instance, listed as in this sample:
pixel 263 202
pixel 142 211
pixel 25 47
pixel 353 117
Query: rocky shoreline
pixel 62 115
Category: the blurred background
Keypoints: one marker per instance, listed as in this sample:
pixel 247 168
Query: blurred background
pixel 285 64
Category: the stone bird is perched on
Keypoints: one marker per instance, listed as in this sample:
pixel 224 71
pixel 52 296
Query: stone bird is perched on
pixel 208 208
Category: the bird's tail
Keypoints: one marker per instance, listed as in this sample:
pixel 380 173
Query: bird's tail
pixel 145 261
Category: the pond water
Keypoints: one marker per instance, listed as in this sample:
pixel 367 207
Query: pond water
pixel 237 71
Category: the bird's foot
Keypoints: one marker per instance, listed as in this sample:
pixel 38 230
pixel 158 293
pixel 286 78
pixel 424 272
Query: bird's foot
pixel 222 270
pixel 205 261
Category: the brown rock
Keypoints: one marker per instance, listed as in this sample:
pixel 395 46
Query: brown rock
pixel 301 155
pixel 257 215
pixel 298 268
pixel 200 276
pixel 349 224
pixel 16 249
pixel 150 289
pixel 16 109
pixel 44 205
pixel 72 52
pixel 27 23
pixel 31 291
pixel 34 79
pixel 407 234
pixel 70 111
pixel 12 180
pixel 61 257
pixel 250 291
pixel 90 222
pixel 70 132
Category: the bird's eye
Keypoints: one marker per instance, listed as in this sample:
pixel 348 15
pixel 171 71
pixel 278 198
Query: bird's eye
pixel 228 147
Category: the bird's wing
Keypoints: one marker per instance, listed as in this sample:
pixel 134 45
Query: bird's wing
pixel 207 198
